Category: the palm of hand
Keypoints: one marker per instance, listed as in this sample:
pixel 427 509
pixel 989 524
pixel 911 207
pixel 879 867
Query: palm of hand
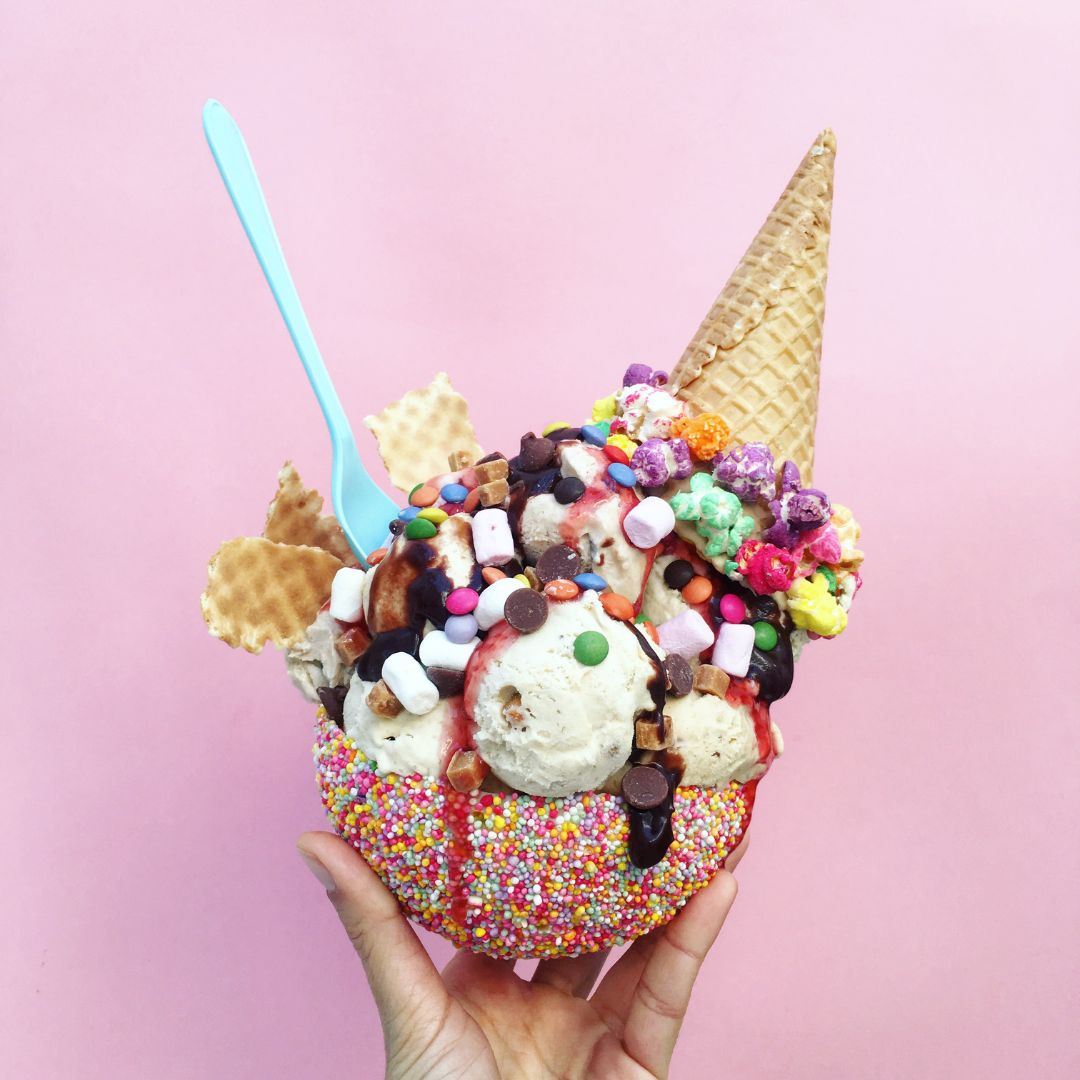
pixel 481 1020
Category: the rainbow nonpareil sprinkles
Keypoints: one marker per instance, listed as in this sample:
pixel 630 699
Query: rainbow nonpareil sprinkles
pixel 519 875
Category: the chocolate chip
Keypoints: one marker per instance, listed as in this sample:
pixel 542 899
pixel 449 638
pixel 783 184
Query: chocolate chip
pixel 559 561
pixel 677 574
pixel 564 434
pixel 333 701
pixel 536 453
pixel 397 526
pixel 450 683
pixel 512 568
pixel 496 455
pixel 677 673
pixel 526 610
pixel 569 489
pixel 645 787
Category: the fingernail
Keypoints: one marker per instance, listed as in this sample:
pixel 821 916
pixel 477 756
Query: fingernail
pixel 320 871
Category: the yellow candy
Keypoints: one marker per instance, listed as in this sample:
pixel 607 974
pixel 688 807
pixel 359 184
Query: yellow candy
pixel 523 579
pixel 623 442
pixel 433 514
pixel 553 427
pixel 814 608
pixel 603 409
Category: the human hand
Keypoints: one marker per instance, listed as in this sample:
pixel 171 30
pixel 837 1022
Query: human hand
pixel 480 1020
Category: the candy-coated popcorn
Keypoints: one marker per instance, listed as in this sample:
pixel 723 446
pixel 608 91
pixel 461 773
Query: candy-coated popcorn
pixel 648 412
pixel 656 461
pixel 642 373
pixel 814 608
pixel 767 568
pixel 717 515
pixel 603 408
pixel 747 471
pixel 848 533
pixel 706 434
pixel 798 510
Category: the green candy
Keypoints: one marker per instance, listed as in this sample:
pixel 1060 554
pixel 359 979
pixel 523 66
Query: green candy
pixel 420 529
pixel 591 648
pixel 765 636
pixel 829 576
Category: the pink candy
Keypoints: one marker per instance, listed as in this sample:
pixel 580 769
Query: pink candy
pixel 462 601
pixel 732 608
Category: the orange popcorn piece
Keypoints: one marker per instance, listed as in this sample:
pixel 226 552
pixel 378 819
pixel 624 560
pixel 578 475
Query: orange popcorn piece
pixel 706 435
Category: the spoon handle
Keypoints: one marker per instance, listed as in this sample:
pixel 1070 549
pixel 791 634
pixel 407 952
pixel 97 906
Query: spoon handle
pixel 236 168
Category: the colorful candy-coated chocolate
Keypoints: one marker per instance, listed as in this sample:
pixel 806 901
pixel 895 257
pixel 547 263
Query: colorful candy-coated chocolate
pixel 554 427
pixel 462 601
pixel 408 513
pixel 561 589
pixel 622 474
pixel 590 581
pixel 618 607
pixel 423 495
pixel 765 636
pixel 697 590
pixel 591 648
pixel 617 454
pixel 420 529
pixel 460 628
pixel 594 435
pixel 436 515
pixel 454 493
pixel 732 608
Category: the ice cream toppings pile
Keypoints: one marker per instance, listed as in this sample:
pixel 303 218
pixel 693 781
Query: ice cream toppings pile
pixel 612 608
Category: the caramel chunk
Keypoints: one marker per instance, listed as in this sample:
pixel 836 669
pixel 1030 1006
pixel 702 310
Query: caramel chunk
pixel 649 735
pixel 352 643
pixel 493 493
pixel 466 770
pixel 382 702
pixel 488 472
pixel 460 459
pixel 711 680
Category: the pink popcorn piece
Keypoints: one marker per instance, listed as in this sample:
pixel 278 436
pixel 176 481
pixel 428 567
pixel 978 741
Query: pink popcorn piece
pixel 733 649
pixel 687 635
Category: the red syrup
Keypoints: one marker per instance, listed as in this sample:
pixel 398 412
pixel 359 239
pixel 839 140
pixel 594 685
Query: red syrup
pixel 459 733
pixel 745 692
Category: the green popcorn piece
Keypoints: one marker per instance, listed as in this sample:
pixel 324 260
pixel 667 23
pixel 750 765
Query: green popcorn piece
pixel 716 514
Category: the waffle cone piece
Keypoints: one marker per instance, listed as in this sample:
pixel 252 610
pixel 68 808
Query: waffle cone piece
pixel 259 591
pixel 294 517
pixel 756 358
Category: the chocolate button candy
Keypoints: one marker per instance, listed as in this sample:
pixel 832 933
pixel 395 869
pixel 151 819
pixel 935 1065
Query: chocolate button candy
pixel 559 561
pixel 677 574
pixel 333 701
pixel 677 674
pixel 644 787
pixel 535 453
pixel 525 610
pixel 569 489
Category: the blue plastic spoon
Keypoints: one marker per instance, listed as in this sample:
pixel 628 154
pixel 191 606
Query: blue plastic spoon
pixel 362 507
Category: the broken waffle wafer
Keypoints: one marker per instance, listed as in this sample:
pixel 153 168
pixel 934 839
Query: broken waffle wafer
pixel 294 518
pixel 259 591
pixel 417 433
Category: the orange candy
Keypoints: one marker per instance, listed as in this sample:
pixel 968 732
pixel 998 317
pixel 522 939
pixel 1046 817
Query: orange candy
pixel 375 557
pixel 424 495
pixel 561 589
pixel 491 573
pixel 697 590
pixel 650 630
pixel 472 500
pixel 706 435
pixel 617 606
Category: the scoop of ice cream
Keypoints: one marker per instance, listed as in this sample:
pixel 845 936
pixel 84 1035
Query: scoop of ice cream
pixel 315 662
pixel 716 740
pixel 547 723
pixel 404 744
pixel 591 524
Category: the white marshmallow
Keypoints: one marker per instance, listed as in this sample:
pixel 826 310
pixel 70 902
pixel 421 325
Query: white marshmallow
pixel 401 671
pixel 347 594
pixel 492 601
pixel 649 522
pixel 437 650
pixel 734 644
pixel 686 635
pixel 493 542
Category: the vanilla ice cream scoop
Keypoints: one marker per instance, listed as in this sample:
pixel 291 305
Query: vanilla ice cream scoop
pixel 547 723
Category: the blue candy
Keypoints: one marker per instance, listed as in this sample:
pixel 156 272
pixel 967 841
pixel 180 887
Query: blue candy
pixel 590 581
pixel 593 434
pixel 622 474
pixel 454 493
pixel 408 513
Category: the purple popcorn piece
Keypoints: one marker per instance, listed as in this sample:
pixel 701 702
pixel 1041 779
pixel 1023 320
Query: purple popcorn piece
pixel 636 373
pixel 650 463
pixel 684 463
pixel 806 509
pixel 746 471
pixel 789 477
pixel 658 378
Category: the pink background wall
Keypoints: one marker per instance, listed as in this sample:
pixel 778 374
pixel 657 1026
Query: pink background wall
pixel 550 194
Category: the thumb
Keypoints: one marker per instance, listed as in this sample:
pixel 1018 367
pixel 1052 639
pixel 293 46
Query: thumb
pixel 400 972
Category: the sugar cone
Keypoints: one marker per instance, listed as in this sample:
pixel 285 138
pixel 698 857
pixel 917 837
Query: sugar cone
pixel 756 358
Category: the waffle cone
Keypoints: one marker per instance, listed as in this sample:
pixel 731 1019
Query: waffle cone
pixel 756 358
pixel 294 518
pixel 417 433
pixel 259 591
